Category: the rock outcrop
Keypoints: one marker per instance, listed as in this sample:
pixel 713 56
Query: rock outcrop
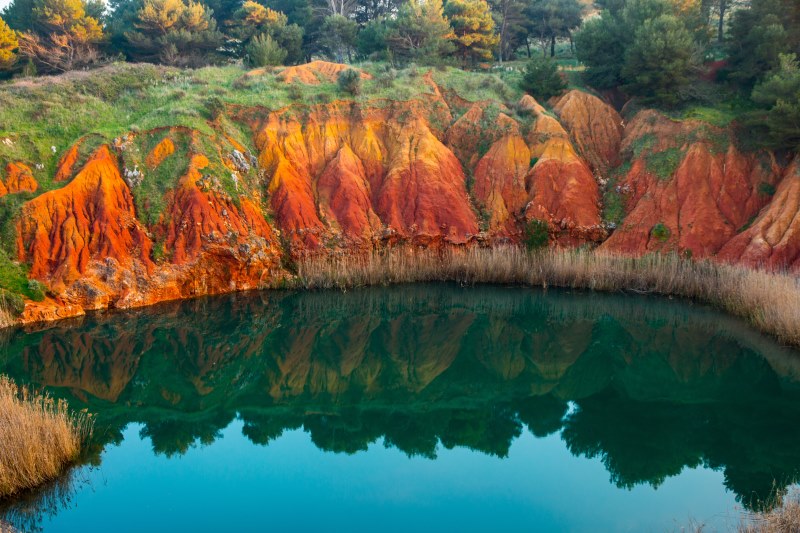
pixel 773 238
pixel 688 188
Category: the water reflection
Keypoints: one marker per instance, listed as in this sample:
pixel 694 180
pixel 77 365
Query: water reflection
pixel 655 385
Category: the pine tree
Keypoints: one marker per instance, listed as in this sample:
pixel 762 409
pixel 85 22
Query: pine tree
pixel 660 62
pixel 63 36
pixel 420 32
pixel 8 47
pixel 473 28
pixel 780 92
pixel 173 32
pixel 253 19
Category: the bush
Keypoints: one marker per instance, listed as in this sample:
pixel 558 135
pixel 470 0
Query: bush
pixel 537 234
pixel 349 81
pixel 541 79
pixel 661 232
pixel 263 51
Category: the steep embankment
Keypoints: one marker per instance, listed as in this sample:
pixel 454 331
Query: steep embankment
pixel 224 197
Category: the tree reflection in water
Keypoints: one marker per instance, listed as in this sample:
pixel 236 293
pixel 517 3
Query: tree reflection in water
pixel 655 385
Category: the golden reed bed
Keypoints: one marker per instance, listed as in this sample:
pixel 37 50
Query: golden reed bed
pixel 39 438
pixel 769 301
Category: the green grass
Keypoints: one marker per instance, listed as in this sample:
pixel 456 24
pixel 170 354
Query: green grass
pixel 664 164
pixel 14 279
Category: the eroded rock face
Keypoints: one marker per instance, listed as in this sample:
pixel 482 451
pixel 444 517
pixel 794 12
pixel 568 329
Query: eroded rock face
pixel 18 178
pixel 595 127
pixel 773 239
pixel 344 177
pixel 688 188
pixel 90 219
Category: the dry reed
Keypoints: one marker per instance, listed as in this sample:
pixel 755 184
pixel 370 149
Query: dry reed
pixel 39 437
pixel 783 518
pixel 769 301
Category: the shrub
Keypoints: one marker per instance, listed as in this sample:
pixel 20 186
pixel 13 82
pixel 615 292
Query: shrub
pixel 263 51
pixel 215 107
pixel 349 81
pixel 541 79
pixel 537 234
pixel 661 232
pixel 766 189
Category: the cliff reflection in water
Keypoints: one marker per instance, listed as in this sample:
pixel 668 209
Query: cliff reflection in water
pixel 648 385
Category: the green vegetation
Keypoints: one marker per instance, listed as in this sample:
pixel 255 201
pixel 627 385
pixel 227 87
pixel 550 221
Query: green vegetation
pixel 712 60
pixel 664 163
pixel 660 232
pixel 349 81
pixel 14 279
pixel 264 51
pixel 766 189
pixel 537 234
pixel 541 79
pixel 780 94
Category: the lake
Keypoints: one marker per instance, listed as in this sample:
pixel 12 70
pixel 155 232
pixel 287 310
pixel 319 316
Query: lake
pixel 425 407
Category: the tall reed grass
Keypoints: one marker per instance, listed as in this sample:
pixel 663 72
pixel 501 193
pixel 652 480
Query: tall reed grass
pixel 769 301
pixel 782 518
pixel 39 437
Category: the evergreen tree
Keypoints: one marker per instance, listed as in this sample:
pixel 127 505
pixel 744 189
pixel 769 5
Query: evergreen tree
pixel 599 46
pixel 8 47
pixel 420 32
pixel 263 51
pixel 549 20
pixel 253 19
pixel 339 37
pixel 473 28
pixel 758 36
pixel 510 21
pixel 541 78
pixel 173 32
pixel 780 92
pixel 644 46
pixel 371 40
pixel 62 37
pixel 19 15
pixel 660 62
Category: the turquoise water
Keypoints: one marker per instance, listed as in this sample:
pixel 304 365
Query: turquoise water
pixel 427 407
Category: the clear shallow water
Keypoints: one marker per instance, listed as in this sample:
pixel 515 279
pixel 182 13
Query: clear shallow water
pixel 426 407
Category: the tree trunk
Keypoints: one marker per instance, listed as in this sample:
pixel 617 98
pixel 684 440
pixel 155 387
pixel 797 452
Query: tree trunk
pixel 723 6
pixel 528 47
pixel 553 46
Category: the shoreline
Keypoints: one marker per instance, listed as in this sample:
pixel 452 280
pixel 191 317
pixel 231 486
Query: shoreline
pixel 768 301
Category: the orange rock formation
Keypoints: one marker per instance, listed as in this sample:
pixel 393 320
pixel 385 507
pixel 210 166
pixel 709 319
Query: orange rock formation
pixel 434 171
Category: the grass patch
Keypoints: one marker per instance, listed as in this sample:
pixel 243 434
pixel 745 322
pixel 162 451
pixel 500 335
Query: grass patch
pixel 613 206
pixel 39 438
pixel 664 164
pixel 14 279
